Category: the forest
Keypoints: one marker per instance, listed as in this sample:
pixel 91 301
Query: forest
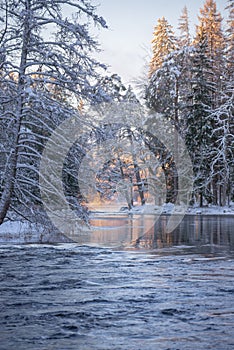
pixel 72 134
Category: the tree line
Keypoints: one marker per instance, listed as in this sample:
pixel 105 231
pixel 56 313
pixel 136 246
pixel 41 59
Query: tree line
pixel 190 83
pixel 48 74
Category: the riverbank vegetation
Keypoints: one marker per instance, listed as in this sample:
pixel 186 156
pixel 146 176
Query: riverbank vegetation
pixel 48 74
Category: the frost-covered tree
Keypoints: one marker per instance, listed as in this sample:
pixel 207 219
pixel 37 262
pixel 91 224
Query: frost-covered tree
pixel 192 86
pixel 42 52
pixel 169 86
pixel 223 153
pixel 199 121
pixel 169 92
pixel 229 76
pixel 223 131
pixel 210 25
pixel 162 44
pixel 111 86
pixel 123 175
pixel 184 38
pixel 122 166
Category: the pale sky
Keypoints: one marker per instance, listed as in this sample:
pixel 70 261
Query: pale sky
pixel 131 23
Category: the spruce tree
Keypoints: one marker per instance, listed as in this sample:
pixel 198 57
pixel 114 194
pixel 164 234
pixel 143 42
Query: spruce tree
pixel 229 76
pixel 162 44
pixel 223 126
pixel 184 38
pixel 199 123
pixel 210 23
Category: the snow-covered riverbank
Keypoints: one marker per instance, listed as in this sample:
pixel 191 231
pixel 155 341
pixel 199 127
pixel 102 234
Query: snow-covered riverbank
pixel 169 208
pixel 24 232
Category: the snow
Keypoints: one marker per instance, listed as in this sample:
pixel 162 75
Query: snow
pixel 24 232
pixel 170 208
pixel 21 232
pixel 167 209
pixel 211 210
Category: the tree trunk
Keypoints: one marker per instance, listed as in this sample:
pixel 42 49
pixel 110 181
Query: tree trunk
pixel 176 137
pixel 127 194
pixel 139 183
pixel 136 170
pixel 11 168
pixel 201 200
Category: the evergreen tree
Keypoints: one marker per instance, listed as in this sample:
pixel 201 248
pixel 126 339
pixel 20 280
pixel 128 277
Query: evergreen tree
pixel 199 122
pixel 229 76
pixel 210 25
pixel 224 115
pixel 184 37
pixel 163 43
pixel 169 88
pixel 111 87
pixel 193 88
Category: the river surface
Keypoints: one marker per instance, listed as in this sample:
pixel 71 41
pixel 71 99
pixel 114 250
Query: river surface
pixel 144 289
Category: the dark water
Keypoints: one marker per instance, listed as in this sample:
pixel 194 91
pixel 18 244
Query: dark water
pixel 199 233
pixel 156 291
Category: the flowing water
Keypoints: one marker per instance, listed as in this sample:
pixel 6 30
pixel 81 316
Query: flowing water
pixel 124 288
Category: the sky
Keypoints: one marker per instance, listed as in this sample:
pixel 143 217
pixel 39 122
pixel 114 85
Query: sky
pixel 126 44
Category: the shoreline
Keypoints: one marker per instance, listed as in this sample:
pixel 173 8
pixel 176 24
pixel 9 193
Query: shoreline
pixel 23 232
pixel 169 209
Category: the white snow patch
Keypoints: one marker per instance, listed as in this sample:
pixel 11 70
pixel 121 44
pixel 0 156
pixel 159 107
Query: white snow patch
pixel 25 232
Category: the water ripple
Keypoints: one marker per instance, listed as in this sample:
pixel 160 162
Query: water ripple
pixel 72 297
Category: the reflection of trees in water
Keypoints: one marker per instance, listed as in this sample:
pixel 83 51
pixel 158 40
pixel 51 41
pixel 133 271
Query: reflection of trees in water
pixel 193 231
pixel 204 233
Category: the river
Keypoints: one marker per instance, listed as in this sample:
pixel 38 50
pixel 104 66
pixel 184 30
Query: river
pixel 126 287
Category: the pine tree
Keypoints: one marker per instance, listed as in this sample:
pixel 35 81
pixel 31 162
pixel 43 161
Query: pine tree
pixel 169 75
pixel 184 37
pixel 223 151
pixel 192 86
pixel 199 123
pixel 229 76
pixel 210 25
pixel 169 88
pixel 230 89
pixel 163 43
